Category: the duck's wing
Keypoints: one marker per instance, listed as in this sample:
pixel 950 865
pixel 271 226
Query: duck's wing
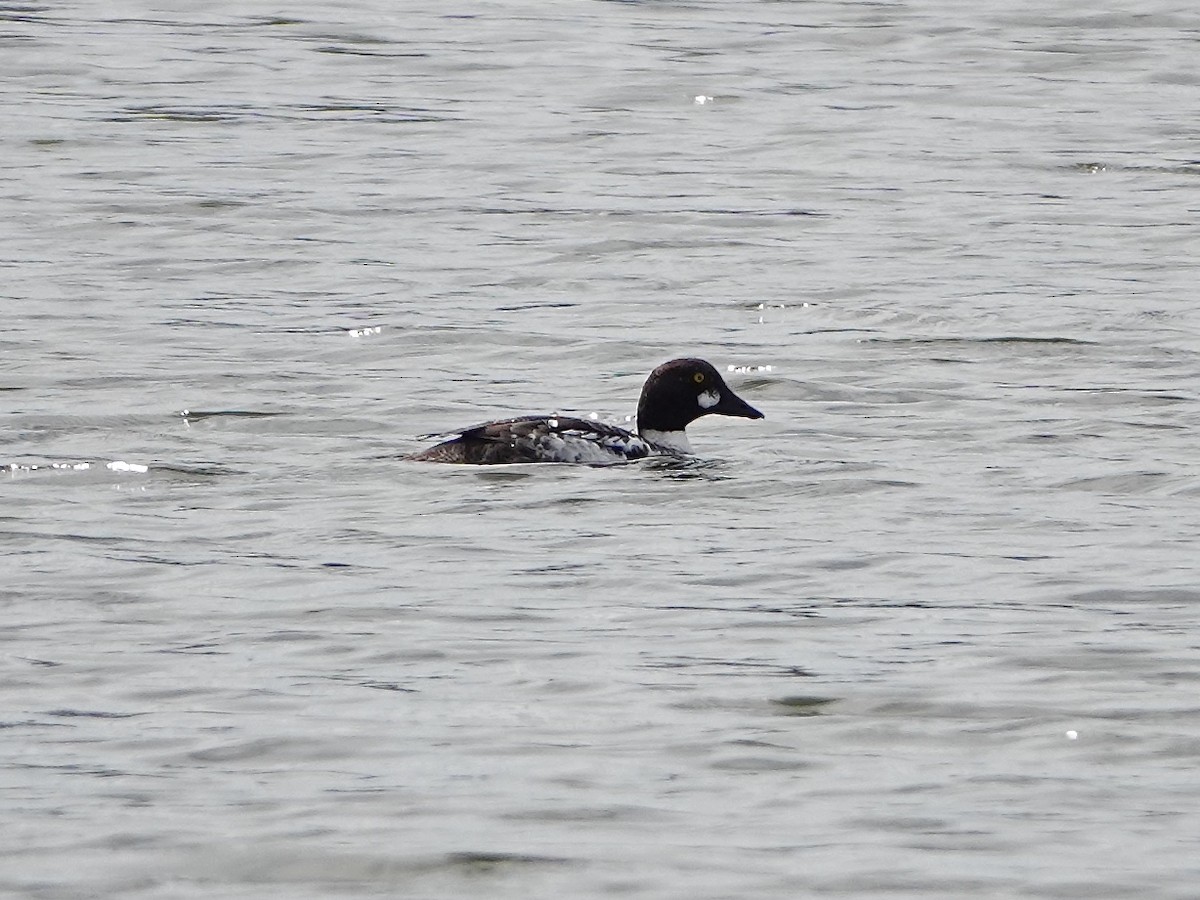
pixel 484 429
pixel 550 438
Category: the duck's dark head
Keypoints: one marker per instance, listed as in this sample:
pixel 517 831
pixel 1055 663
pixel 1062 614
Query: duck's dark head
pixel 682 390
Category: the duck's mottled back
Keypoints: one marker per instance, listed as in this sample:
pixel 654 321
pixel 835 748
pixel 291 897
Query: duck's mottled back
pixel 539 439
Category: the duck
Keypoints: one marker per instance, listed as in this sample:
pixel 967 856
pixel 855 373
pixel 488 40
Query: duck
pixel 675 394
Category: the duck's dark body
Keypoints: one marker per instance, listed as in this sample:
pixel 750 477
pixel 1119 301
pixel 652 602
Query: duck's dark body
pixel 540 439
pixel 675 394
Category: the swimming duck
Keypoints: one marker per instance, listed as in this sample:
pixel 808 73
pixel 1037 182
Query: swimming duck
pixel 675 395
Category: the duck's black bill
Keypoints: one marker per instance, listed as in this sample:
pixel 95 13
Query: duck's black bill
pixel 733 405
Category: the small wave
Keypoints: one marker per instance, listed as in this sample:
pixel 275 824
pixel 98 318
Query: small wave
pixel 195 415
pixel 119 465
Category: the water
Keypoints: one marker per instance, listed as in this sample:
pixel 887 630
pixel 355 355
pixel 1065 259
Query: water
pixel 926 631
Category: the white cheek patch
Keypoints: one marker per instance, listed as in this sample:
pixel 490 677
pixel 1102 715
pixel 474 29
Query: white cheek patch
pixel 708 399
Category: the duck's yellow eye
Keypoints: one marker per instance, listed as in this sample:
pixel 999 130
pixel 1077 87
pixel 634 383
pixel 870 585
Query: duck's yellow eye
pixel 698 378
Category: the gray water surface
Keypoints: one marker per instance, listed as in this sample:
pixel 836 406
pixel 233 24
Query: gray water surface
pixel 928 630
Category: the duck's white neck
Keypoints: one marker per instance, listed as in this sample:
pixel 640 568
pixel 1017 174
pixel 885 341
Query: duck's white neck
pixel 672 440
